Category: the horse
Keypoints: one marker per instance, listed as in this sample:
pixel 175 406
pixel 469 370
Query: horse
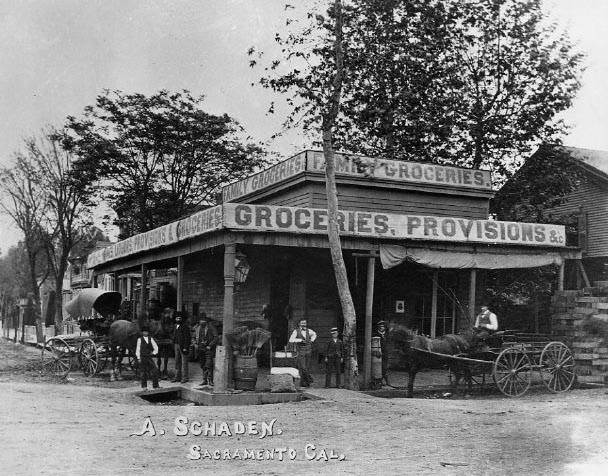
pixel 122 336
pixel 405 342
pixel 162 330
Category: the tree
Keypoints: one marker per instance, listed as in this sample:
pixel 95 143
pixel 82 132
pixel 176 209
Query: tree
pixel 321 102
pixel 475 83
pixel 68 206
pixel 22 201
pixel 157 158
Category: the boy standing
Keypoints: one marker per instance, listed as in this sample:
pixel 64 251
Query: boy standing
pixel 206 338
pixel 333 358
pixel 145 351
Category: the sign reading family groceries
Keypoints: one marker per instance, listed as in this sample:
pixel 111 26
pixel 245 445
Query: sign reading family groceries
pixel 360 166
pixel 194 225
pixel 389 225
pixel 270 218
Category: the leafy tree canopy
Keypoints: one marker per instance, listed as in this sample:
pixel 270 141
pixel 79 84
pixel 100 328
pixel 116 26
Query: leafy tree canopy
pixel 156 158
pixel 473 83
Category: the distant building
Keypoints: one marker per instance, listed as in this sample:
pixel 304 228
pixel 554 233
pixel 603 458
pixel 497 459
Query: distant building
pixel 579 192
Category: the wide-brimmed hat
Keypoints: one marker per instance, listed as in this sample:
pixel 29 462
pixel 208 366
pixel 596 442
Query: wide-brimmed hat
pixel 381 323
pixel 333 329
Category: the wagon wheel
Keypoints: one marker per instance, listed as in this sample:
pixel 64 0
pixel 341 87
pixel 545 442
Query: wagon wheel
pixel 557 367
pixel 89 358
pixel 103 355
pixel 56 357
pixel 512 372
pixel 132 362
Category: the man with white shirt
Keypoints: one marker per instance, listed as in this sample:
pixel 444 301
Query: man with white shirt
pixel 145 351
pixel 486 320
pixel 303 338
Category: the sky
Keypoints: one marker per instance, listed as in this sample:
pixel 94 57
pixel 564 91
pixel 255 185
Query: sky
pixel 57 56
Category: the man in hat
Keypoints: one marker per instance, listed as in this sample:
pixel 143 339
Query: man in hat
pixel 303 337
pixel 181 344
pixel 145 350
pixel 333 358
pixel 206 339
pixel 382 332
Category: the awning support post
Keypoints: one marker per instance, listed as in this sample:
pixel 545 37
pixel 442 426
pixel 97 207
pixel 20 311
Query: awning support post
pixel 369 306
pixel 434 304
pixel 223 381
pixel 560 282
pixel 180 283
pixel 472 286
pixel 142 293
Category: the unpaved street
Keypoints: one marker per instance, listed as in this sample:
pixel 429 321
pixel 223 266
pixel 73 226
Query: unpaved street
pixel 48 427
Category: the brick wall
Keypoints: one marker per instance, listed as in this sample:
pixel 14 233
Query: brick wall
pixel 571 313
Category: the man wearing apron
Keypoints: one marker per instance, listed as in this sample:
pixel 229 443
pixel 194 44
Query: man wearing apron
pixel 303 338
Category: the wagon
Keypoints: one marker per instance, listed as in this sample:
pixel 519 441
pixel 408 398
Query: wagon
pixel 511 359
pixel 93 308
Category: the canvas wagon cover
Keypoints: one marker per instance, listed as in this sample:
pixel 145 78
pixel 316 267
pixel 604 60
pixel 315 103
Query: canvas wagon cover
pixel 89 299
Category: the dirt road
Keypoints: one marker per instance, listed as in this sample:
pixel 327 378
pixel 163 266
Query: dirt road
pixel 48 427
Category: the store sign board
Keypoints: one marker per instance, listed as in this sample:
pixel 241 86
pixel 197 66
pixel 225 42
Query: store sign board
pixel 194 225
pixel 393 226
pixel 360 166
pixel 400 171
pixel 267 178
pixel 269 218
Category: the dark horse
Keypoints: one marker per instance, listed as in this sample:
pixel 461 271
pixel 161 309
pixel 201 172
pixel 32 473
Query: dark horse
pixel 162 331
pixel 406 343
pixel 122 337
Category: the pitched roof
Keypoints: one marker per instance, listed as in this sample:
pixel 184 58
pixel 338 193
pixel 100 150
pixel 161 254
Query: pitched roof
pixel 595 161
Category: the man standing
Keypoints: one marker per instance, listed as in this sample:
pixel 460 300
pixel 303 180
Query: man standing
pixel 303 338
pixel 486 320
pixel 145 350
pixel 333 358
pixel 383 334
pixel 206 339
pixel 181 344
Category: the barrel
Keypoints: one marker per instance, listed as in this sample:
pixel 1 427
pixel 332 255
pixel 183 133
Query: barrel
pixel 245 372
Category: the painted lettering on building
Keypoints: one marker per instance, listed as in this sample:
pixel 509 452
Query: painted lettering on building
pixel 194 225
pixel 401 171
pixel 360 166
pixel 273 175
pixel 392 226
pixel 262 218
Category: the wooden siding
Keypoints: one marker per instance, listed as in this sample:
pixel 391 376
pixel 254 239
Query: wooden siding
pixel 379 198
pixel 592 196
pixel 405 202
pixel 295 197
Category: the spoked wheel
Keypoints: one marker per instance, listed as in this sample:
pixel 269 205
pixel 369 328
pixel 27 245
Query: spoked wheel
pixel 56 357
pixel 89 358
pixel 512 372
pixel 557 367
pixel 132 362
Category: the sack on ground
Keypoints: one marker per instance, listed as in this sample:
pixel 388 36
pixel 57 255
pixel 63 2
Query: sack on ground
pixel 281 383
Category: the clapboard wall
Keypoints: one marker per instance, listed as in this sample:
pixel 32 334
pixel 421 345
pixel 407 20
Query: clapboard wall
pixel 414 201
pixel 592 198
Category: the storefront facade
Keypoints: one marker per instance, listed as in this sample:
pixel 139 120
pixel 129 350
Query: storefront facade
pixel 413 237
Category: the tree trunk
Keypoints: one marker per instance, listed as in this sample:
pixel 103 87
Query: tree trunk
pixel 59 299
pixel 335 248
pixel 329 118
